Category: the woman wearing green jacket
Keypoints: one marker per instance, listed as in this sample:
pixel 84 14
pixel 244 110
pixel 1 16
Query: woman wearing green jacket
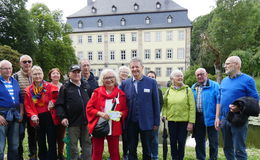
pixel 179 110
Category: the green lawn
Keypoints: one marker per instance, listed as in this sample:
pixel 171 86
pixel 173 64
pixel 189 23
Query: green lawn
pixel 253 154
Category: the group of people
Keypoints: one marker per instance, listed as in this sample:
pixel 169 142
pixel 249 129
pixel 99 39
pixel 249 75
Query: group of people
pixel 132 105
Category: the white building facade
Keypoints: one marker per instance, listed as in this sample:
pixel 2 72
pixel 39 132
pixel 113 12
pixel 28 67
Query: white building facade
pixel 110 33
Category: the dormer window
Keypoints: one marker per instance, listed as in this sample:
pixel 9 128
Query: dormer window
pixel 147 20
pixel 136 6
pixel 80 24
pixel 99 23
pixel 169 19
pixel 123 22
pixel 114 8
pixel 93 9
pixel 158 5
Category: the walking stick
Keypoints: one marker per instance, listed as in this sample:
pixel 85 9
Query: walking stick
pixel 66 140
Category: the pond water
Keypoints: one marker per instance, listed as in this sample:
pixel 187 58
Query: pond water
pixel 253 140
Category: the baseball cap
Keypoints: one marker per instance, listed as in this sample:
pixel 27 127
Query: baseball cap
pixel 75 67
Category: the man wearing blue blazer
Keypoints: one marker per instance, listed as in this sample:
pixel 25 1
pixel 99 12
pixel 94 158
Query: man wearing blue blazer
pixel 144 109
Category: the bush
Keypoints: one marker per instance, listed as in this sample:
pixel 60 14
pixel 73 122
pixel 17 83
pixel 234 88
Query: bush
pixel 6 52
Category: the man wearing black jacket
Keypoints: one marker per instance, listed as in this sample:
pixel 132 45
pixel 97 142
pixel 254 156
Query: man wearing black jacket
pixel 71 108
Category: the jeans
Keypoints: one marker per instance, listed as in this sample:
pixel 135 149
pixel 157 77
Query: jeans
pixel 133 136
pixel 178 134
pixel 200 138
pixel 77 133
pixel 234 140
pixel 11 132
pixel 154 148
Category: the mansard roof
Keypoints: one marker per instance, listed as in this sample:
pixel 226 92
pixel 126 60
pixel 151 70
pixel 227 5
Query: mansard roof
pixel 104 7
pixel 111 15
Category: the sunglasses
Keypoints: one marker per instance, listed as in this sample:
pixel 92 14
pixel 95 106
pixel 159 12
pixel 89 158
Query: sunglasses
pixel 24 62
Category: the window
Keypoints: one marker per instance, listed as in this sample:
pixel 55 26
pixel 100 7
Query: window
pixel 168 71
pixel 112 55
pixel 89 39
pixel 100 56
pixel 136 6
pixel 147 54
pixel 146 70
pixel 123 22
pixel 180 68
pixel 114 8
pixel 134 53
pixel 90 56
pixel 93 9
pixel 169 54
pixel 99 38
pixel 157 36
pixel 112 38
pixel 80 40
pixel 99 23
pixel 122 37
pixel 169 35
pixel 169 19
pixel 134 36
pixel 147 37
pixel 147 20
pixel 158 71
pixel 180 53
pixel 181 36
pixel 93 71
pixel 80 55
pixel 80 24
pixel 123 55
pixel 158 54
pixel 158 5
pixel 99 71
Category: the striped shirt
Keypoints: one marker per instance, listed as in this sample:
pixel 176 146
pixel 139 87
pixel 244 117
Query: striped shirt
pixel 10 89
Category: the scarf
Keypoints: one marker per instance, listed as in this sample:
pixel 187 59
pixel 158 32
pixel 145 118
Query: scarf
pixel 37 93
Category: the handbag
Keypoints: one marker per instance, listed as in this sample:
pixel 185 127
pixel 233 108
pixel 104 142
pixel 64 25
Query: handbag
pixel 102 129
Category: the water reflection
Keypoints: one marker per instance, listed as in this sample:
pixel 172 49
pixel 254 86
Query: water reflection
pixel 253 140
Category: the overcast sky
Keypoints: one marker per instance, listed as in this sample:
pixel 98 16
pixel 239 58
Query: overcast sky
pixel 195 7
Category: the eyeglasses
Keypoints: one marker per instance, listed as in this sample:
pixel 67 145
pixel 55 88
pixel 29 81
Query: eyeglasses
pixel 29 61
pixel 200 74
pixel 6 68
pixel 108 78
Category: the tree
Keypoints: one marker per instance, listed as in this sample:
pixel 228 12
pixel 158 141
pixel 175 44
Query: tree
pixel 234 25
pixel 250 61
pixel 55 46
pixel 16 28
pixel 6 52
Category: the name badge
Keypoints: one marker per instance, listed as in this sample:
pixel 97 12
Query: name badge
pixel 146 90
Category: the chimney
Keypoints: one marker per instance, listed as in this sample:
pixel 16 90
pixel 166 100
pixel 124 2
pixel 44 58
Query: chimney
pixel 91 2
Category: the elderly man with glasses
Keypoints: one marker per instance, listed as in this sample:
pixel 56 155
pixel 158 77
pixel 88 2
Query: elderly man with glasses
pixel 23 76
pixel 206 94
pixel 10 105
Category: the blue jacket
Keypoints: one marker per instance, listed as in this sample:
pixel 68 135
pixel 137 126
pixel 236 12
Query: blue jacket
pixel 6 100
pixel 210 94
pixel 146 102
